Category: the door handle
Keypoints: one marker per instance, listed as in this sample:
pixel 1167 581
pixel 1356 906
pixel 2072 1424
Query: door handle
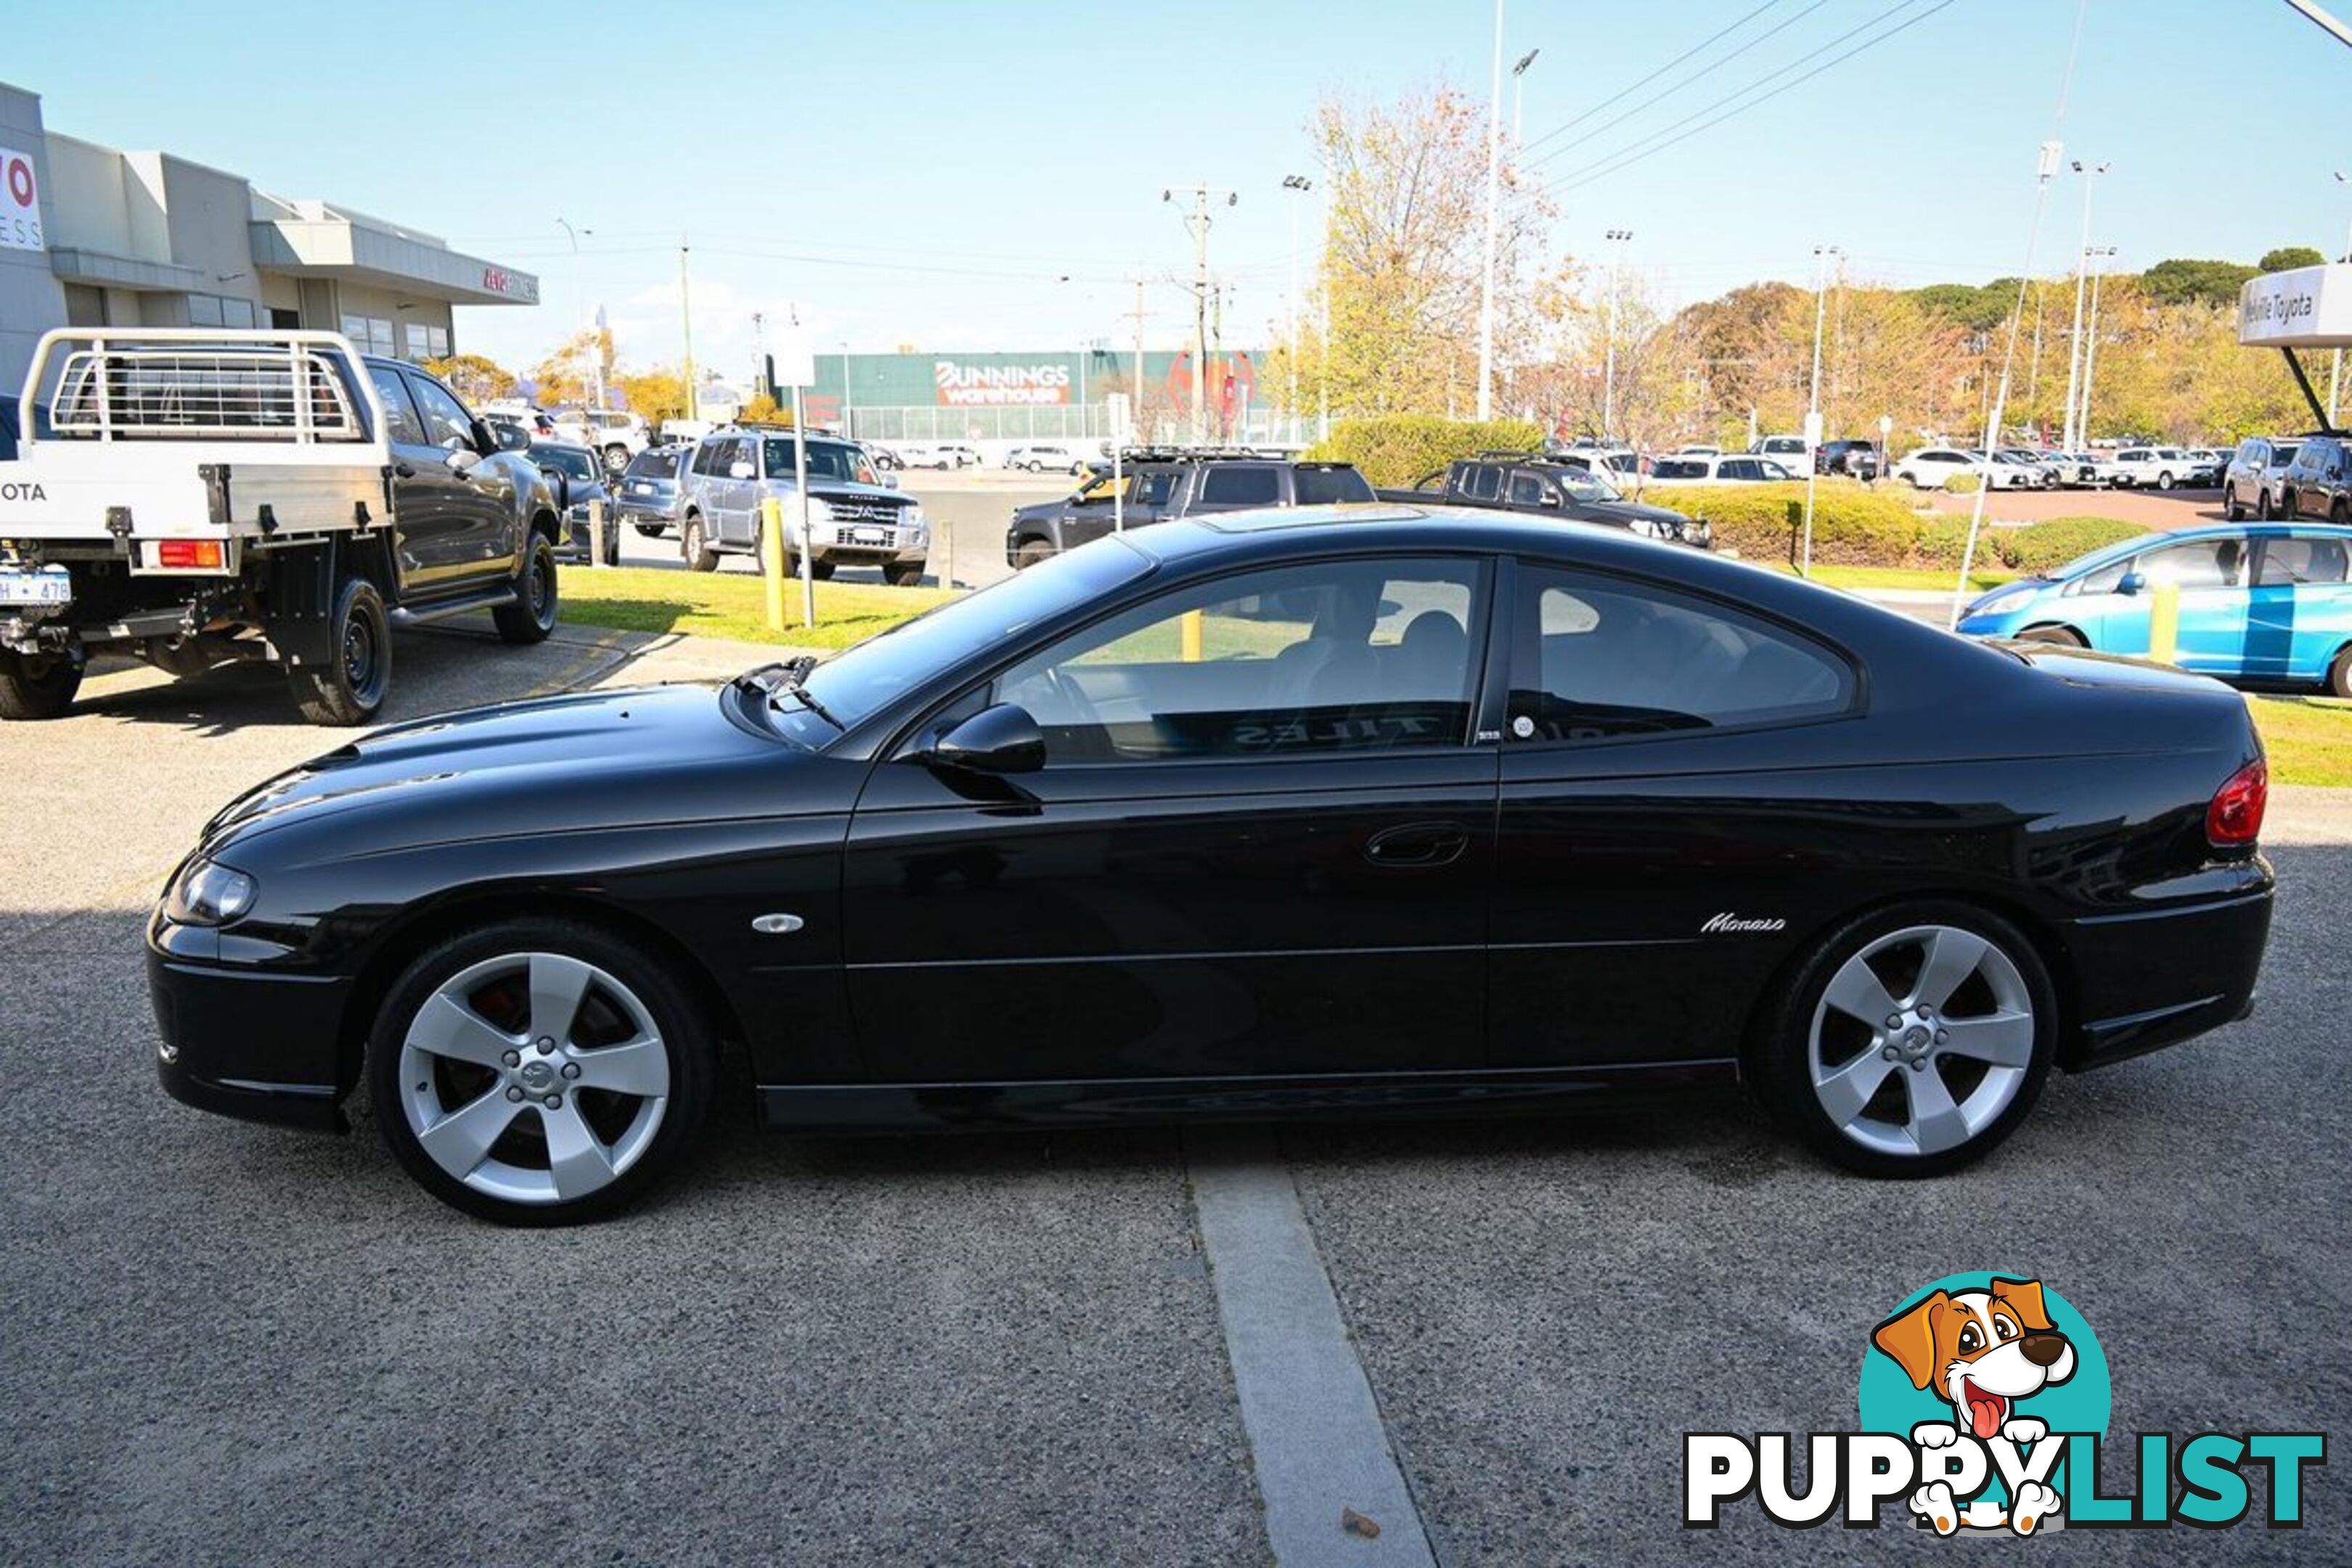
pixel 1417 844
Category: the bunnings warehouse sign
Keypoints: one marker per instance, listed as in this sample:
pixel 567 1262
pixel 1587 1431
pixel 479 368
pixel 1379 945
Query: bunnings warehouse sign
pixel 965 385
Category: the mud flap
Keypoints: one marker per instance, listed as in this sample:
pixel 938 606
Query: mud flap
pixel 299 591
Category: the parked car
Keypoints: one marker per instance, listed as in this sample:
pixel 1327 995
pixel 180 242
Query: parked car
pixel 953 455
pixel 974 871
pixel 1043 460
pixel 1929 467
pixel 530 416
pixel 1549 486
pixel 577 477
pixel 1739 467
pixel 2259 602
pixel 1615 466
pixel 1698 451
pixel 617 435
pixel 885 460
pixel 2045 474
pixel 854 519
pixel 650 491
pixel 2251 482
pixel 2076 471
pixel 2160 468
pixel 2317 483
pixel 1163 486
pixel 1857 459
pixel 1789 452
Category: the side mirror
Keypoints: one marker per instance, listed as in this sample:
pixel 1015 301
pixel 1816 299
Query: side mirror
pixel 1000 740
pixel 741 470
pixel 2131 583
pixel 889 480
pixel 1551 499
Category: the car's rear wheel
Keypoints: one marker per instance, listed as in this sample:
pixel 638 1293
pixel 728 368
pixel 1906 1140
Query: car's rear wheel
pixel 350 686
pixel 36 686
pixel 531 617
pixel 1911 1041
pixel 2063 636
pixel 695 546
pixel 539 1072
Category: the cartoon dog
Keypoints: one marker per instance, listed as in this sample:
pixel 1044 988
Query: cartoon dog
pixel 1981 1351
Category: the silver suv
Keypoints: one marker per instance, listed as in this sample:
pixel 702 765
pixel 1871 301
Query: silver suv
pixel 2251 482
pixel 856 517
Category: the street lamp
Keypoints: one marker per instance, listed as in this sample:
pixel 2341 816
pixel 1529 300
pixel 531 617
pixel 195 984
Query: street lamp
pixel 1617 237
pixel 2102 255
pixel 1822 254
pixel 596 349
pixel 2335 372
pixel 846 424
pixel 2090 174
pixel 1519 98
pixel 1494 205
pixel 1298 185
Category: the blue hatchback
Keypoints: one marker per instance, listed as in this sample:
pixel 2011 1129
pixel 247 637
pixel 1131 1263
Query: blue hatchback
pixel 2262 602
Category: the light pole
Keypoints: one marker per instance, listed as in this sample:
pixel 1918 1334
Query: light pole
pixel 1617 237
pixel 2090 174
pixel 596 349
pixel 1822 254
pixel 2335 372
pixel 1493 203
pixel 2091 345
pixel 847 427
pixel 1298 185
pixel 1519 98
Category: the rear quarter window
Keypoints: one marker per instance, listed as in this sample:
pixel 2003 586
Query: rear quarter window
pixel 1330 486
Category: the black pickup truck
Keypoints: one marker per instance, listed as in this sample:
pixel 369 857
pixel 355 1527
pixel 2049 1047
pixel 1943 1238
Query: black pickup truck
pixel 1161 485
pixel 1544 487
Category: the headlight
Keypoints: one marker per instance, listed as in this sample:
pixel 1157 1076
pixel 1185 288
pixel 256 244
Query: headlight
pixel 207 893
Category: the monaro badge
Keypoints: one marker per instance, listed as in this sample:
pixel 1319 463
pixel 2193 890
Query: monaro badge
pixel 1728 922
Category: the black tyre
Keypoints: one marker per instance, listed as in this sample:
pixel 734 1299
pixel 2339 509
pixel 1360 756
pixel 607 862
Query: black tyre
pixel 1031 554
pixel 2231 511
pixel 1911 1041
pixel 696 547
pixel 539 1072
pixel 350 686
pixel 2063 636
pixel 902 574
pixel 36 686
pixel 538 599
pixel 2262 505
pixel 822 570
pixel 651 529
pixel 2340 673
pixel 2340 513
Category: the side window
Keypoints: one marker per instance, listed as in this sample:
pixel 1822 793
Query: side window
pixel 1482 481
pixel 2292 561
pixel 703 456
pixel 1593 659
pixel 1526 489
pixel 2205 564
pixel 447 423
pixel 401 424
pixel 1350 656
pixel 2107 578
pixel 1157 487
pixel 1240 486
pixel 1737 468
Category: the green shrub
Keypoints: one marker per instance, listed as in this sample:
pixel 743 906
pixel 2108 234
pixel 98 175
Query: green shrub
pixel 2053 543
pixel 1854 526
pixel 1964 484
pixel 1396 450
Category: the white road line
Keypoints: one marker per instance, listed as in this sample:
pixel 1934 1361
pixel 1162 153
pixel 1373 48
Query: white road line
pixel 1314 1430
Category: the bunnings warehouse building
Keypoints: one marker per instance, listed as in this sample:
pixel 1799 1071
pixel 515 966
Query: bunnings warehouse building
pixel 1016 398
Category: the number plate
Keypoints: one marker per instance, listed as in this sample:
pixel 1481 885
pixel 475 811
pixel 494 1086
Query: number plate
pixel 641 487
pixel 49 585
pixel 870 536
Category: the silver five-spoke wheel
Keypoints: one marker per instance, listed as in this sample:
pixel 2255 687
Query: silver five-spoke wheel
pixel 534 1077
pixel 1921 1040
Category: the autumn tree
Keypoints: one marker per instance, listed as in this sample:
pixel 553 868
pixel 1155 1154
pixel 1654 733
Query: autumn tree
pixel 571 374
pixel 654 394
pixel 473 377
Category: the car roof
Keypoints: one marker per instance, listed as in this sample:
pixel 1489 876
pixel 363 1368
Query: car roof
pixel 2093 559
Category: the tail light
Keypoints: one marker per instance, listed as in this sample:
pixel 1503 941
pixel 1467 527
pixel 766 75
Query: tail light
pixel 2234 819
pixel 186 554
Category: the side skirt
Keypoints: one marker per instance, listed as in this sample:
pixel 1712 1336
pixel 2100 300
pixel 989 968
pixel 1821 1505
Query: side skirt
pixel 1078 1103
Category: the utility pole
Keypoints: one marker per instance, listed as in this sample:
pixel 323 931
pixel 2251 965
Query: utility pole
pixel 1494 202
pixel 1617 237
pixel 1298 185
pixel 2090 346
pixel 1519 99
pixel 1198 222
pixel 1138 420
pixel 2335 372
pixel 2074 434
pixel 686 323
pixel 1822 254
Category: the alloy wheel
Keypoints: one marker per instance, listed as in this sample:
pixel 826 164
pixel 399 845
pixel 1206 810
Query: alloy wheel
pixel 534 1077
pixel 1921 1040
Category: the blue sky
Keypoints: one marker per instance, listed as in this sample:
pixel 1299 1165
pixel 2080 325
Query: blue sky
pixel 928 171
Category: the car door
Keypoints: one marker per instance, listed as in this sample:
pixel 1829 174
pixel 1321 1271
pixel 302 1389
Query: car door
pixel 2299 610
pixel 485 539
pixel 1261 844
pixel 1651 808
pixel 427 518
pixel 2211 577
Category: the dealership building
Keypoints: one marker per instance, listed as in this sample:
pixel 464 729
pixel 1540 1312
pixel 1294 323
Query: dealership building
pixel 1049 396
pixel 90 236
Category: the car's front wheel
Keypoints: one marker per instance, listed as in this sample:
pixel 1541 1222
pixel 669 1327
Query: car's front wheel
pixel 2059 636
pixel 2262 505
pixel 1911 1041
pixel 539 1072
pixel 2164 480
pixel 2231 511
pixel 902 574
pixel 696 547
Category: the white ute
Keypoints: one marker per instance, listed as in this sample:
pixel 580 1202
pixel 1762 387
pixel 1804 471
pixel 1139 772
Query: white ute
pixel 195 497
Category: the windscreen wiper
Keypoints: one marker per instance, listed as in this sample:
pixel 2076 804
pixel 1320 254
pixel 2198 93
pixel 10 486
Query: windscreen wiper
pixel 782 680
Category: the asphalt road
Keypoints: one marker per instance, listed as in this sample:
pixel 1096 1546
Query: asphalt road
pixel 233 1344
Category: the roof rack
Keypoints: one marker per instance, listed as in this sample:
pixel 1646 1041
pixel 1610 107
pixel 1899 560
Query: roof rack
pixel 1199 454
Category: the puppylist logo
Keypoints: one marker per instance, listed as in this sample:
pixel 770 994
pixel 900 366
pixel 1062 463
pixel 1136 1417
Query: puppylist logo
pixel 1983 1409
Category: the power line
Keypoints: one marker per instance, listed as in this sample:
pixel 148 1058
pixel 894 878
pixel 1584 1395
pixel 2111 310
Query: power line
pixel 1655 75
pixel 1625 157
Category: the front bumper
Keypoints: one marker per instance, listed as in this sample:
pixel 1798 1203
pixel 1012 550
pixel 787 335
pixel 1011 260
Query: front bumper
pixel 248 1043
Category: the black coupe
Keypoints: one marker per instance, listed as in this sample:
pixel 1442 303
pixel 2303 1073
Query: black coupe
pixel 1369 809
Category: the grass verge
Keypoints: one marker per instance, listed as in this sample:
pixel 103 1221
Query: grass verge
pixel 735 604
pixel 2308 738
